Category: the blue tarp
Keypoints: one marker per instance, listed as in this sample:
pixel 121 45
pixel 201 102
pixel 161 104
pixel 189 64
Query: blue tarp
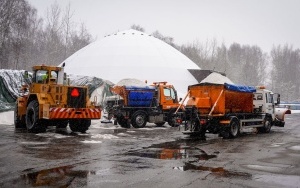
pixel 240 88
pixel 140 98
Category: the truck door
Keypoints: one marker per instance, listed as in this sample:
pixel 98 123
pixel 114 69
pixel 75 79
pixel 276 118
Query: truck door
pixel 269 103
pixel 168 97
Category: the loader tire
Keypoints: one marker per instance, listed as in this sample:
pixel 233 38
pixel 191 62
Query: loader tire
pixel 79 125
pixel 19 120
pixel 234 128
pixel 139 119
pixel 33 123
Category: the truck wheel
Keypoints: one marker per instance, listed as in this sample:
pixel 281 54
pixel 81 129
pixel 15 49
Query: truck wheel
pixel 79 125
pixel 160 124
pixel 123 122
pixel 19 120
pixel 33 123
pixel 267 126
pixel 234 128
pixel 139 119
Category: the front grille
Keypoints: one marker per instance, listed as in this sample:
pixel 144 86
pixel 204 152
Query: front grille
pixel 77 102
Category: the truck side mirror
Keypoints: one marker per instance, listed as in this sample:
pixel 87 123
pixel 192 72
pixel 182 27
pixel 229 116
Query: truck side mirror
pixel 180 99
pixel 277 98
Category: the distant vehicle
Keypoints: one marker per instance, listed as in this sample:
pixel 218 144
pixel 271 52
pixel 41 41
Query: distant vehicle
pixel 49 101
pixel 293 107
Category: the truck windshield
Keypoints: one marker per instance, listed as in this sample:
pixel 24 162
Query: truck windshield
pixel 169 92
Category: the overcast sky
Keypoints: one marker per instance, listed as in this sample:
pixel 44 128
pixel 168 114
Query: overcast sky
pixel 256 22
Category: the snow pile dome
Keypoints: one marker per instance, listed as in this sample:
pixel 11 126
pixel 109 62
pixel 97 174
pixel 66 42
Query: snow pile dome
pixel 131 82
pixel 133 54
pixel 216 78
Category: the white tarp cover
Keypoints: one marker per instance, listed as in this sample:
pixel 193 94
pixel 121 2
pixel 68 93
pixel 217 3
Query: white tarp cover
pixel 98 88
pixel 133 54
pixel 10 85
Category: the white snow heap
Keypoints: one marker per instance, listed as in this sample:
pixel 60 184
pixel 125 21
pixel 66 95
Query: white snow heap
pixel 131 82
pixel 216 78
pixel 133 54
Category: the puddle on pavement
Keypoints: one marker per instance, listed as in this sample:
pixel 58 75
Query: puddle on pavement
pixel 172 150
pixel 57 177
pixel 218 171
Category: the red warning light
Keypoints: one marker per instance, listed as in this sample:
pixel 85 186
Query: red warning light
pixel 75 92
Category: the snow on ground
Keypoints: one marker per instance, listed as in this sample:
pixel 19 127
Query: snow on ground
pixel 104 136
pixel 7 118
pixel 91 142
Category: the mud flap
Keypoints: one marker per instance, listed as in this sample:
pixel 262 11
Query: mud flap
pixel 279 123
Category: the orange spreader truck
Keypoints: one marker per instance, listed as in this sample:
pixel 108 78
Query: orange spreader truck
pixel 227 109
pixel 50 101
pixel 138 105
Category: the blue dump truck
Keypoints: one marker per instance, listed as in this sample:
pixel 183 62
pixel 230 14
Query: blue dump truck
pixel 137 105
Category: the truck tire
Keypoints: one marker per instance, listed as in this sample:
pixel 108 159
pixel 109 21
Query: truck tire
pixel 139 119
pixel 33 123
pixel 123 122
pixel 19 121
pixel 171 120
pixel 267 126
pixel 79 125
pixel 234 128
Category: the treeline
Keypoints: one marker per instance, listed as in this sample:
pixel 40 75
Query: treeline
pixel 278 70
pixel 26 39
pixel 250 65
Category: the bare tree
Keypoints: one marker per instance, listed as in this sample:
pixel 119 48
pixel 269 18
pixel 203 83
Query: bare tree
pixel 203 54
pixel 137 27
pixel 285 72
pixel 67 23
pixel 166 39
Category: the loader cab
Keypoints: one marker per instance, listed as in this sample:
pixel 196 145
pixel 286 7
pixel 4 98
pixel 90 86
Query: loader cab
pixel 48 75
pixel 45 77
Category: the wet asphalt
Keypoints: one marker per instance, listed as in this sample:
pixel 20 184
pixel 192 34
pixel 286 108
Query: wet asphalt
pixel 110 156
